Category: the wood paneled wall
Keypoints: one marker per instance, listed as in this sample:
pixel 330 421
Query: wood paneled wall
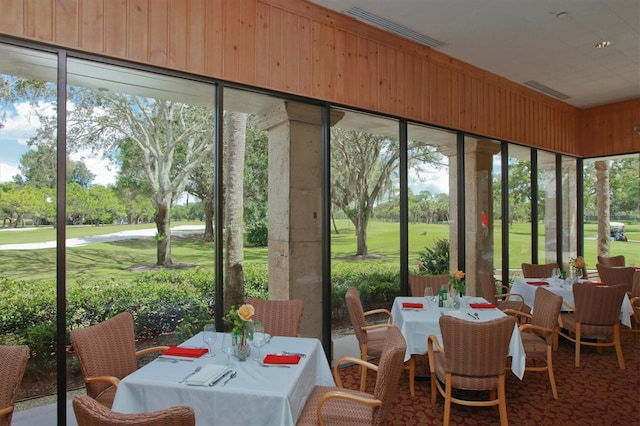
pixel 296 47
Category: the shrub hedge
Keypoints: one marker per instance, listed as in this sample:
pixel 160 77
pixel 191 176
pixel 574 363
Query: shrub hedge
pixel 160 302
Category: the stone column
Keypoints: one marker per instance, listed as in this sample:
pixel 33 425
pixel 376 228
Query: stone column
pixel 478 196
pixel 295 236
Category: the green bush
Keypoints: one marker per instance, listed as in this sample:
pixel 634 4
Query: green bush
pixel 161 302
pixel 434 260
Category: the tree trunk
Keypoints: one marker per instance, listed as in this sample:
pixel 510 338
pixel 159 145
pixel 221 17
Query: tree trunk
pixel 361 233
pixel 163 237
pixel 208 220
pixel 604 207
pixel 236 125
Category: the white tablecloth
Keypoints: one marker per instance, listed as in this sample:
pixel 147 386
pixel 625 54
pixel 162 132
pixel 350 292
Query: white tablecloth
pixel 417 325
pixel 528 292
pixel 257 396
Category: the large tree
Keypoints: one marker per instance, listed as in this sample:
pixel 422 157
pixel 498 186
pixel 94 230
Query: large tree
pixel 363 166
pixel 169 139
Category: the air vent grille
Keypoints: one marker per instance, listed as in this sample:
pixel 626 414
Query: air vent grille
pixel 385 24
pixel 544 89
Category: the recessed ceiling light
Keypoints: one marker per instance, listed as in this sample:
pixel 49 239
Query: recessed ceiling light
pixel 602 44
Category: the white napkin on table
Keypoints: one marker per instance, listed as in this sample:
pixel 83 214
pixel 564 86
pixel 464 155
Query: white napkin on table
pixel 207 374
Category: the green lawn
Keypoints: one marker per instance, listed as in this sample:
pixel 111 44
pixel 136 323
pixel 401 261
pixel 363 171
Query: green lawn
pixel 111 260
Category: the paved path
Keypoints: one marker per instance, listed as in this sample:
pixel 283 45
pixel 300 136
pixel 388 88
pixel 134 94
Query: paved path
pixel 116 236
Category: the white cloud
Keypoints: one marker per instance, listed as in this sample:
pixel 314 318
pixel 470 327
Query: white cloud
pixel 105 171
pixel 7 172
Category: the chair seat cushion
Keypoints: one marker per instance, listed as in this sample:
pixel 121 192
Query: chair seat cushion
pixel 587 331
pixel 464 382
pixel 512 304
pixel 534 345
pixel 337 411
pixel 375 341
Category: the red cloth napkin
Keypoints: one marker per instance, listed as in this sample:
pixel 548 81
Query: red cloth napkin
pixel 482 305
pixel 187 352
pixel 596 284
pixel 412 305
pixel 537 282
pixel 281 359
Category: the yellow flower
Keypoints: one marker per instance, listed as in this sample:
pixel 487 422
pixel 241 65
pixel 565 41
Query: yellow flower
pixel 459 275
pixel 246 312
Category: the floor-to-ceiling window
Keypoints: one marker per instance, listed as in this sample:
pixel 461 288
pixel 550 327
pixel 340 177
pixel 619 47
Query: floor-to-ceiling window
pixel 519 207
pixel 431 157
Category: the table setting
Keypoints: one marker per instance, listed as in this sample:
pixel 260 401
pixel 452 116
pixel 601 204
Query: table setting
pixel 268 387
pixel 417 318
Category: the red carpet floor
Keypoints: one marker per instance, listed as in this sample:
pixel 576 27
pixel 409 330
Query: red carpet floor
pixel 596 393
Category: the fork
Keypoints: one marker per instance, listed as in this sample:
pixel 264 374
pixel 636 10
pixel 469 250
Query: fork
pixel 198 368
pixel 294 353
pixel 262 364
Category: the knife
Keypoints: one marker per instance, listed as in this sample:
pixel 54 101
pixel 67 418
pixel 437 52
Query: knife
pixel 226 373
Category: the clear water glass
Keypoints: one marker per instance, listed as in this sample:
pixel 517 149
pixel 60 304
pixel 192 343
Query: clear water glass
pixel 209 336
pixel 428 294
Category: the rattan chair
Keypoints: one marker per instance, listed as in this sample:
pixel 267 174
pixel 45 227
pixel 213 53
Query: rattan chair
pixel 107 353
pixel 417 283
pixel 371 336
pixel 612 275
pixel 532 270
pixel 488 284
pixel 539 335
pixel 635 304
pixel 339 406
pixel 13 361
pixel 278 317
pixel 595 320
pixel 90 412
pixel 611 260
pixel 474 358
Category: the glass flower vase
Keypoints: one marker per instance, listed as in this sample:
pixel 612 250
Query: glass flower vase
pixel 242 343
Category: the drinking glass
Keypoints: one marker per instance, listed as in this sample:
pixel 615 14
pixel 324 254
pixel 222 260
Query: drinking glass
pixel 209 336
pixel 555 273
pixel 428 294
pixel 227 346
pixel 259 338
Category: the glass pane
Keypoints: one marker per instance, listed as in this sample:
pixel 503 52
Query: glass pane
pixel 28 154
pixel 139 202
pixel 612 208
pixel 365 238
pixel 519 208
pixel 432 226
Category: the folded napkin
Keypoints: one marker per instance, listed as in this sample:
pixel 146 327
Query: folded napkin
pixel 412 305
pixel 281 359
pixel 596 284
pixel 482 305
pixel 537 282
pixel 188 352
pixel 207 374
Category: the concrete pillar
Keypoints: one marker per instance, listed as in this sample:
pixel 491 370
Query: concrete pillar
pixel 295 236
pixel 478 196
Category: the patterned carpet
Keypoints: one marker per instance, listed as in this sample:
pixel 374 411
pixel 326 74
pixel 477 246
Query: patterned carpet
pixel 596 393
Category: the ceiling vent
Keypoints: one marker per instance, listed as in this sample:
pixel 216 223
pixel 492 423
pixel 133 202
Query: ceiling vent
pixel 380 22
pixel 544 89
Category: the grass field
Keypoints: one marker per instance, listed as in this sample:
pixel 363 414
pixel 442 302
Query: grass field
pixel 111 260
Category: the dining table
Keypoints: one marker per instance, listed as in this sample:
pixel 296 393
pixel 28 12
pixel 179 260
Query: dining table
pixel 418 318
pixel 527 288
pixel 274 394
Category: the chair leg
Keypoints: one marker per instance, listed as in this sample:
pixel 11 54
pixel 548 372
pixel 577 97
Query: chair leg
pixel 434 388
pixel 502 401
pixel 412 375
pixel 447 401
pixel 578 336
pixel 618 345
pixel 552 379
pixel 363 378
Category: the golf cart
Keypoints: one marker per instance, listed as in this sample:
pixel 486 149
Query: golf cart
pixel 617 231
